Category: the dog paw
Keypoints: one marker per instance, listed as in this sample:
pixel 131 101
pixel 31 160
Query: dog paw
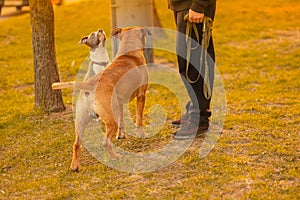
pixel 74 168
pixel 121 136
pixel 117 156
pixel 140 132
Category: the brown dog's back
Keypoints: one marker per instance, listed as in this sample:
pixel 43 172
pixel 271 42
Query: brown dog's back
pixel 125 79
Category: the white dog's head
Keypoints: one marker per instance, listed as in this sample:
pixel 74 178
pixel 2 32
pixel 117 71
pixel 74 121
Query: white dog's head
pixel 94 39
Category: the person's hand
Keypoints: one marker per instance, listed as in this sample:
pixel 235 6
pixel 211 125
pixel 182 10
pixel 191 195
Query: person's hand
pixel 195 17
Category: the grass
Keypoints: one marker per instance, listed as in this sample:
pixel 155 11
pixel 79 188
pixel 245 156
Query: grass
pixel 256 157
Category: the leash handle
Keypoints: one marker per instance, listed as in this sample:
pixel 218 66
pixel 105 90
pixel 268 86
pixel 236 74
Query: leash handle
pixel 188 33
pixel 206 30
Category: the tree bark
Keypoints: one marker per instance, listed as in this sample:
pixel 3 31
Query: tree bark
pixel 44 56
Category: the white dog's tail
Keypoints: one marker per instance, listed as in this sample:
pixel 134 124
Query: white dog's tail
pixel 77 85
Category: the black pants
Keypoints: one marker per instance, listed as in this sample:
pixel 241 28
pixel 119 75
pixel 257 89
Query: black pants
pixel 200 107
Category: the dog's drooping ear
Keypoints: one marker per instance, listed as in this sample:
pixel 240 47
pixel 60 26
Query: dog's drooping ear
pixel 83 40
pixel 116 32
pixel 146 31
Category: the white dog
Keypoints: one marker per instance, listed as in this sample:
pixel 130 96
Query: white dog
pixel 99 58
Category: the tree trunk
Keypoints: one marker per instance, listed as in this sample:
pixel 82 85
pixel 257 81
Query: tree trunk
pixel 45 66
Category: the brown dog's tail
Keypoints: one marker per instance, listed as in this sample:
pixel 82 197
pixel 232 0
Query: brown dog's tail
pixel 77 85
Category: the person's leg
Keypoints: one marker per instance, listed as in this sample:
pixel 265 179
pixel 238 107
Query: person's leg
pixel 181 55
pixel 198 87
pixel 199 109
pixel 205 107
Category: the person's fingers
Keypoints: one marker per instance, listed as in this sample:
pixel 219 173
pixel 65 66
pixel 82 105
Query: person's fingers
pixel 195 20
pixel 195 17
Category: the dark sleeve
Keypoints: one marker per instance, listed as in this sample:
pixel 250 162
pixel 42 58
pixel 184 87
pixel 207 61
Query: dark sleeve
pixel 200 5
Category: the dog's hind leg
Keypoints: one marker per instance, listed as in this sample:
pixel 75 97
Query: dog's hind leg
pixel 140 103
pixel 75 164
pixel 121 132
pixel 111 129
pixel 81 122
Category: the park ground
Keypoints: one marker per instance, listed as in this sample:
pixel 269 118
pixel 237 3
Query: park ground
pixel 257 156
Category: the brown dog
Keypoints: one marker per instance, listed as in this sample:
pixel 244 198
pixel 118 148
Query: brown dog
pixel 106 92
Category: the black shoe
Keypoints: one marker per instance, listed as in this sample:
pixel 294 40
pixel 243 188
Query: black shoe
pixel 203 120
pixel 189 130
pixel 177 122
pixel 184 118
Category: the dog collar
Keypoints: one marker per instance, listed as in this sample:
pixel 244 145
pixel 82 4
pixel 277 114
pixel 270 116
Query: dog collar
pixel 100 63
